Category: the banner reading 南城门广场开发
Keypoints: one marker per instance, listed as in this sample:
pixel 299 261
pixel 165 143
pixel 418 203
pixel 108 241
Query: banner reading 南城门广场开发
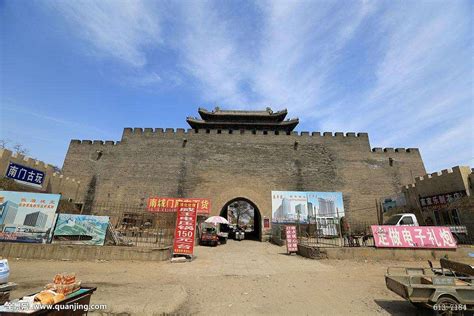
pixel 185 229
pixel 386 236
pixel 164 204
pixel 27 217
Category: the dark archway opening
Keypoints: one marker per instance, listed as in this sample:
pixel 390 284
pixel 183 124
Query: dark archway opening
pixel 248 215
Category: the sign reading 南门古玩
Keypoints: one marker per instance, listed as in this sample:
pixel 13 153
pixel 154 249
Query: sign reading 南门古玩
pixel 25 174
pixel 413 236
pixel 185 229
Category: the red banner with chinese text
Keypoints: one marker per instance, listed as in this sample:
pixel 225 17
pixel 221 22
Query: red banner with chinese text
pixel 291 239
pixel 413 236
pixel 163 204
pixel 185 228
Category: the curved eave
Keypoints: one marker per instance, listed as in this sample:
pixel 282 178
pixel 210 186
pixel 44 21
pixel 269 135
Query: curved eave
pixel 233 116
pixel 288 125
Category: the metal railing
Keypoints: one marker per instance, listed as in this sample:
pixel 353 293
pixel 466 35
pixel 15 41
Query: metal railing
pixel 133 225
pixel 327 234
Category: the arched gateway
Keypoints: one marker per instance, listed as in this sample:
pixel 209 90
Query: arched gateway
pixel 244 213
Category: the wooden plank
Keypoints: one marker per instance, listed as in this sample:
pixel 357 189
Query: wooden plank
pixel 457 267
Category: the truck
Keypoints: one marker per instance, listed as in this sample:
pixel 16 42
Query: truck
pixel 409 219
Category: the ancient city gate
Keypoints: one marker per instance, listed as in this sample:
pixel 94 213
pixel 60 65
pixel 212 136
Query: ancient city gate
pixel 229 155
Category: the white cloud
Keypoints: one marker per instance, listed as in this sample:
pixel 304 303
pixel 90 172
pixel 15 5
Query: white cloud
pixel 422 95
pixel 452 146
pixel 117 28
pixel 302 44
pixel 298 45
pixel 420 62
pixel 144 79
pixel 211 54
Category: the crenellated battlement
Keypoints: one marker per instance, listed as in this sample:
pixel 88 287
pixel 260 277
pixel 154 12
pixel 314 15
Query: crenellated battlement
pixel 395 150
pixel 54 182
pixel 445 181
pixel 94 142
pixel 134 134
pixel 407 187
pixel 444 172
pixel 6 154
pixel 58 176
pixel 128 131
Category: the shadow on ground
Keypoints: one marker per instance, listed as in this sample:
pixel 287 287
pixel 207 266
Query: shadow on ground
pixel 402 308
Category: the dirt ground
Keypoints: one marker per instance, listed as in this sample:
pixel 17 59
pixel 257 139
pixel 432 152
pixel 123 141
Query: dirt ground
pixel 239 278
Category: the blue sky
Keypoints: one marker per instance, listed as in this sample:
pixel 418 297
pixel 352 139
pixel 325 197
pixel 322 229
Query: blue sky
pixel 400 70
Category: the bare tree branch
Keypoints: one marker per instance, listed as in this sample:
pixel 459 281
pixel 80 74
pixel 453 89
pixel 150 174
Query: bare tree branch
pixel 19 149
pixel 4 143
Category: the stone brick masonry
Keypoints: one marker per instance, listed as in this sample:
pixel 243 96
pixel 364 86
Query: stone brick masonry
pixel 226 164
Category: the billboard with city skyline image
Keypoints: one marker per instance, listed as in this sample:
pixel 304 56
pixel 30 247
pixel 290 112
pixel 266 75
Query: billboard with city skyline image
pixel 27 217
pixel 80 229
pixel 306 207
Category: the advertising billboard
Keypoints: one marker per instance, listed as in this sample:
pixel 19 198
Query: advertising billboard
pixel 185 231
pixel 291 239
pixel 306 207
pixel 413 237
pixel 80 229
pixel 27 217
pixel 169 205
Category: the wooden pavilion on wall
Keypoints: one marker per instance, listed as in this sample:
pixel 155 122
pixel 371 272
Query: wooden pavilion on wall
pixel 266 120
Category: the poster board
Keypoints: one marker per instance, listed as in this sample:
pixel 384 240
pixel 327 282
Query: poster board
pixel 291 239
pixel 80 229
pixel 27 217
pixel 386 236
pixel 306 207
pixel 185 231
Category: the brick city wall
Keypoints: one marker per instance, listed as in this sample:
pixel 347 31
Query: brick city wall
pixel 459 178
pixel 53 182
pixel 223 166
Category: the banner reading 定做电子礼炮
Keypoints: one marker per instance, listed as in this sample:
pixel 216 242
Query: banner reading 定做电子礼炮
pixel 387 236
